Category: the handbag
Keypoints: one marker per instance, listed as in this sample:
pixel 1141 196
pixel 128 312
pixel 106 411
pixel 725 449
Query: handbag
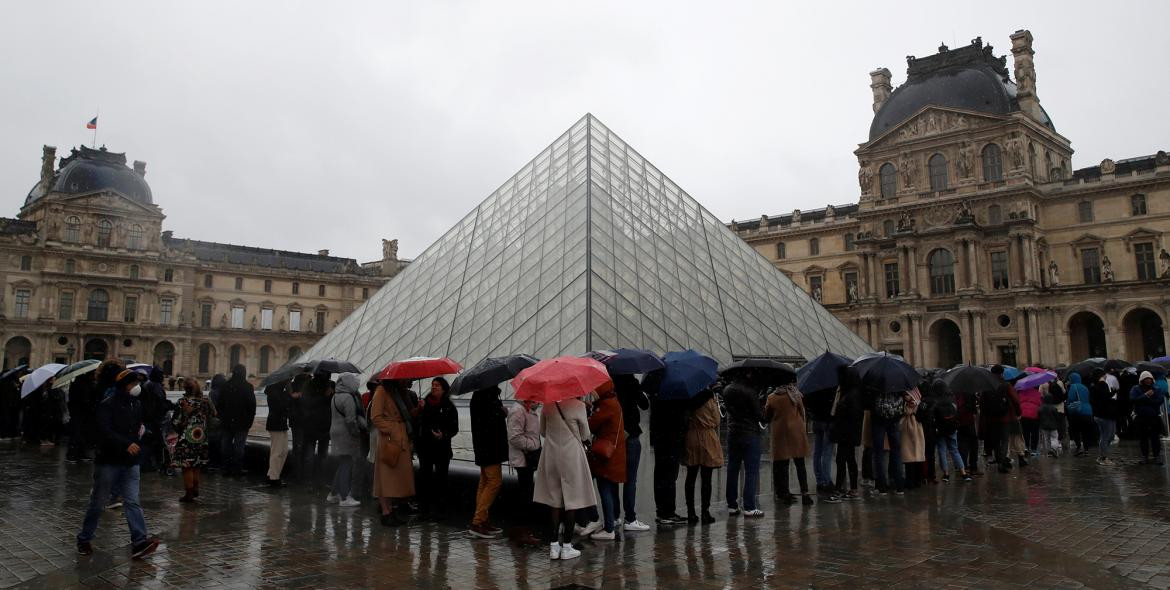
pixel 605 448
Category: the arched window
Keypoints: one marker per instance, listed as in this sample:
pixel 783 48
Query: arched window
pixel 1047 164
pixel 781 251
pixel 104 230
pixel 889 180
pixel 888 227
pixel 942 272
pixel 994 215
pixel 938 172
pixel 814 246
pixel 98 309
pixel 1032 159
pixel 133 271
pixel 135 237
pixel 992 163
pixel 72 229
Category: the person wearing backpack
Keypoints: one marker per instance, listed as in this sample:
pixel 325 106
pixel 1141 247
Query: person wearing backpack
pixel 996 411
pixel 946 431
pixel 1079 410
pixel 888 410
pixel 1049 422
pixel 1104 401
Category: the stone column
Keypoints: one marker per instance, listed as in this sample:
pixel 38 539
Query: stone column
pixel 963 277
pixel 907 341
pixel 915 285
pixel 1114 337
pixel 1014 263
pixel 1022 351
pixel 1029 261
pixel 919 350
pixel 980 343
pixel 866 278
pixel 1034 337
pixel 973 261
pixel 903 270
pixel 965 331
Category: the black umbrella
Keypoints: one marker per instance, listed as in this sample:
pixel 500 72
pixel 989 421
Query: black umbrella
pixel 330 365
pixel 13 371
pixel 1086 367
pixel 885 373
pixel 1117 364
pixel 491 371
pixel 821 372
pixel 969 379
pixel 1152 367
pixel 632 361
pixel 770 371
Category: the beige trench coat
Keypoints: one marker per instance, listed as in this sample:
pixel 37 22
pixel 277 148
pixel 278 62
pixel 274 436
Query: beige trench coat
pixel 562 476
pixel 789 432
pixel 397 481
pixel 702 444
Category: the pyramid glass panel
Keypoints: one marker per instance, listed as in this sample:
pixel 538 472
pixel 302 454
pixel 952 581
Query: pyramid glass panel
pixel 588 247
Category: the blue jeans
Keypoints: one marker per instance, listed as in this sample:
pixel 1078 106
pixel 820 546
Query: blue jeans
pixel 118 480
pixel 608 491
pixel 743 449
pixel 949 444
pixel 887 430
pixel 630 488
pixel 1107 428
pixel 822 453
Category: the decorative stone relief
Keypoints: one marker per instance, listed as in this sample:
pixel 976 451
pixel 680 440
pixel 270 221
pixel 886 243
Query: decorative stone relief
pixel 964 162
pixel 865 178
pixel 909 168
pixel 1108 166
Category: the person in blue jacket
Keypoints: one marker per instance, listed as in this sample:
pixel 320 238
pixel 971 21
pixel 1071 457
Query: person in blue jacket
pixel 1082 432
pixel 1148 402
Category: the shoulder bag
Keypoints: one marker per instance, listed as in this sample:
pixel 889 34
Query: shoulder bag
pixel 604 448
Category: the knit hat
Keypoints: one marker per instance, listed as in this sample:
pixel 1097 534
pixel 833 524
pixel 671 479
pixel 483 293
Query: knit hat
pixel 127 376
pixel 1145 375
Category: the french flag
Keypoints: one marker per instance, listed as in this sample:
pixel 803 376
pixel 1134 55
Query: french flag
pixel 92 124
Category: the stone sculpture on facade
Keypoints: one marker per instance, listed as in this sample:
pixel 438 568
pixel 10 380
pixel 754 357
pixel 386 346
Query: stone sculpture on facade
pixel 966 157
pixel 909 168
pixel 1108 166
pixel 1106 270
pixel 865 178
pixel 1054 273
pixel 1164 259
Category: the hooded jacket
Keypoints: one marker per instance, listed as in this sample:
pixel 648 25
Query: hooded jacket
pixel 1147 405
pixel 489 427
pixel 237 401
pixel 345 428
pixel 315 415
pixel 1078 403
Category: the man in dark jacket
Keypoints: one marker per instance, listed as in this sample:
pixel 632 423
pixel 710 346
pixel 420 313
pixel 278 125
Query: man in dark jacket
pixel 819 406
pixel 1148 403
pixel 154 410
pixel 120 428
pixel 237 411
pixel 745 415
pixel 82 417
pixel 668 430
pixel 1103 398
pixel 279 403
pixel 315 420
pixel 633 401
pixel 489 440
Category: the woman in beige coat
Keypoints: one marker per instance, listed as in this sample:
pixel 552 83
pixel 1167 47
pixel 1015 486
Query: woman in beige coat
pixel 563 482
pixel 702 453
pixel 393 476
pixel 785 411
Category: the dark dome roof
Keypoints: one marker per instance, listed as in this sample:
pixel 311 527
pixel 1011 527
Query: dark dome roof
pixel 969 78
pixel 87 170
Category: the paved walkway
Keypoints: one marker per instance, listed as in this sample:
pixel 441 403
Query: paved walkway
pixel 1060 523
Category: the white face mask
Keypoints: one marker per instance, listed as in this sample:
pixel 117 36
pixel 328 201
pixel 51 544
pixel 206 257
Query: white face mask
pixel 137 390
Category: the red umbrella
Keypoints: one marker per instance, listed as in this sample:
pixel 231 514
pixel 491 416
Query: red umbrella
pixel 1035 370
pixel 563 377
pixel 419 368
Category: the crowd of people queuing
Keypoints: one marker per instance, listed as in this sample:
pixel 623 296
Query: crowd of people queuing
pixel 577 460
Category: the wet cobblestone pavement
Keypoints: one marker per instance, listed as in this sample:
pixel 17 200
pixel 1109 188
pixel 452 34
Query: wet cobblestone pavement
pixel 1060 523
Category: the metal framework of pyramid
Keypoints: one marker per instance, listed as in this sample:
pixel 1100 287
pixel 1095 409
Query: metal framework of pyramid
pixel 588 247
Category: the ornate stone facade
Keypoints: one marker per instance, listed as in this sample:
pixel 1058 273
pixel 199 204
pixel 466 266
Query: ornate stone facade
pixel 973 240
pixel 87 272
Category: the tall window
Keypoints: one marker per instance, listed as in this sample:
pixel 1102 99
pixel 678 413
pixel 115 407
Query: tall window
pixel 204 358
pixel 237 318
pixel 239 283
pixel 992 163
pixel 849 247
pixel 365 293
pixel 169 275
pixel 65 306
pixel 236 354
pixel 1000 276
pixel 70 266
pixel 104 230
pixel 26 262
pixel 888 227
pixel 267 285
pixel 1143 255
pixel 1085 211
pixel 1137 205
pixel 166 307
pixel 266 319
pixel 98 309
pixel 205 315
pixel 994 215
pixel 781 251
pixel 320 322
pixel 296 288
pixel 134 241
pixel 320 290
pixel 1091 265
pixel 133 271
pixel 942 272
pixel 891 272
pixel 889 180
pixel 294 320
pixel 23 297
pixel 265 359
pixel 938 172
pixel 130 309
pixel 72 229
pixel 208 281
pixel 814 246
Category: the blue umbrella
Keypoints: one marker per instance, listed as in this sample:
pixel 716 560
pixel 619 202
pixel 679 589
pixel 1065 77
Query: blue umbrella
pixel 821 372
pixel 1010 373
pixel 685 375
pixel 632 361
pixel 883 372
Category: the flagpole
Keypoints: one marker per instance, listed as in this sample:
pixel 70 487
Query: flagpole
pixel 95 127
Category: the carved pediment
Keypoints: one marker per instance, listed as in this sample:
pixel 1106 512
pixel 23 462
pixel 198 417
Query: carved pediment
pixel 111 201
pixel 931 121
pixel 814 270
pixel 1142 234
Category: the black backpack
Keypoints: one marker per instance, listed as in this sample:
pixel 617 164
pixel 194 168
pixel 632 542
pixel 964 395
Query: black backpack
pixel 946 417
pixel 995 403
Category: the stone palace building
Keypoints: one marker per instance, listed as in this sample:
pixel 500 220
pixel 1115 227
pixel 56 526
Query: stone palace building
pixel 973 238
pixel 87 272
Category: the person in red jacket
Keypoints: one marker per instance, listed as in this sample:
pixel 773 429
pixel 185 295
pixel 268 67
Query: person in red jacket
pixel 607 456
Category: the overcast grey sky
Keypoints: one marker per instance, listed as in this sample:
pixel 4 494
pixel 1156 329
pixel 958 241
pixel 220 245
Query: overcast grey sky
pixel 304 126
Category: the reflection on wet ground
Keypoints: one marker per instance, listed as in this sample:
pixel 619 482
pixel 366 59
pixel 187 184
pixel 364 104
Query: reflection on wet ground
pixel 1058 523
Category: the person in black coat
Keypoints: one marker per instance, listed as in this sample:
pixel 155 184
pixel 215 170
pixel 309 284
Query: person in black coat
pixel 438 423
pixel 10 405
pixel 279 404
pixel 633 401
pixel 668 431
pixel 237 412
pixel 83 403
pixel 315 417
pixel 848 413
pixel 155 406
pixel 489 440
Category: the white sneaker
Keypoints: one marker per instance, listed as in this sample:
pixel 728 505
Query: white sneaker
pixel 603 536
pixel 332 498
pixel 554 550
pixel 567 552
pixel 591 528
pixel 349 502
pixel 753 513
pixel 637 525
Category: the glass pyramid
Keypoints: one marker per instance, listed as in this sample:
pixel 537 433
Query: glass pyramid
pixel 588 247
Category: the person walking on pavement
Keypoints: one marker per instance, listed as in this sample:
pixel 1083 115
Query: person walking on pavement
pixel 438 422
pixel 563 482
pixel 1104 402
pixel 847 414
pixel 1079 409
pixel 348 422
pixel 393 429
pixel 1148 404
pixel 703 454
pixel 744 429
pixel 967 404
pixel 237 411
pixel 279 404
pixel 116 469
pixel 524 456
pixel 786 415
pixel 668 427
pixel 633 401
pixel 192 415
pixel 10 405
pixel 489 440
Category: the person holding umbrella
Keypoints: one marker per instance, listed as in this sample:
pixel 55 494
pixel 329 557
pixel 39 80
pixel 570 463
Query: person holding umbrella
pixel 633 401
pixel 82 416
pixel 786 413
pixel 848 415
pixel 10 403
pixel 1148 404
pixel 393 469
pixel 438 423
pixel 744 419
pixel 703 453
pixel 279 405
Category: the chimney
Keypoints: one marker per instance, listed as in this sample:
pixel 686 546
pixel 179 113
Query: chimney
pixel 48 159
pixel 322 252
pixel 1025 74
pixel 879 81
pixel 140 168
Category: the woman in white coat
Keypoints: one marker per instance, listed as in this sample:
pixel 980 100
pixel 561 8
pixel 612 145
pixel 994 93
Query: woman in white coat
pixel 563 482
